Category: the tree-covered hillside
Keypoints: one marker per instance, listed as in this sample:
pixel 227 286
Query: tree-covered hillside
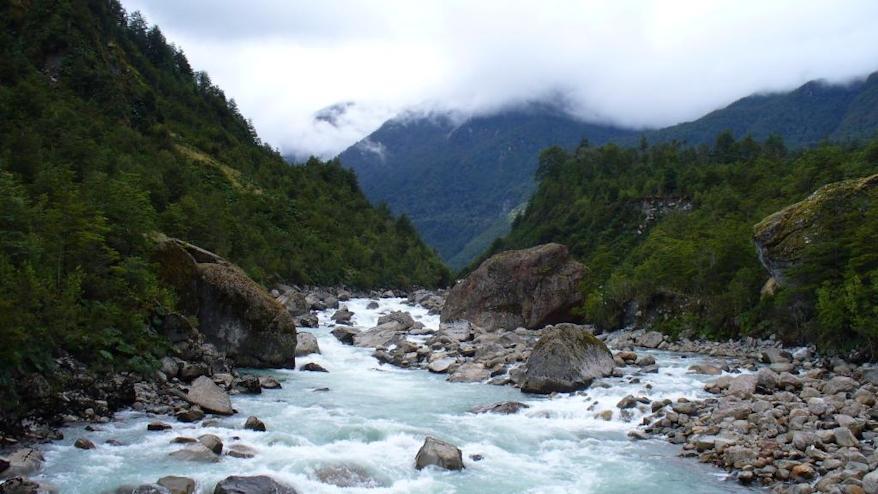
pixel 108 135
pixel 456 180
pixel 812 113
pixel 666 233
pixel 459 181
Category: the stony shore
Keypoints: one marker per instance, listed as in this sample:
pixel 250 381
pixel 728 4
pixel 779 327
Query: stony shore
pixel 787 420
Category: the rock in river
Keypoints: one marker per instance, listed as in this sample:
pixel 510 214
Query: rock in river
pixel 566 358
pixel 530 288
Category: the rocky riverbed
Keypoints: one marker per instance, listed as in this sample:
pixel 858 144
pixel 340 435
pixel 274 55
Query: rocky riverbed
pixel 791 421
pixel 788 420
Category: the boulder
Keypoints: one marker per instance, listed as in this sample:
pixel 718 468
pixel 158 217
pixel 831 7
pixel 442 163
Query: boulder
pixel 177 485
pixel 260 484
pixel 566 358
pixel 530 288
pixel 195 452
pixel 83 443
pixel 193 414
pixel 785 239
pixel 210 397
pixel 441 365
pixel 23 462
pixel 470 372
pixel 313 367
pixel 212 442
pixel 440 454
pixel 23 485
pixel 650 339
pixel 306 345
pixel 254 424
pixel 345 334
pixel 241 451
pixel 295 303
pixel 269 382
pixel 343 316
pixel 235 313
pixel 383 335
pixel 502 408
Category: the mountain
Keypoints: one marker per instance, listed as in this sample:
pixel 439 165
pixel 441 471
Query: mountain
pixel 814 112
pixel 457 178
pixel 108 137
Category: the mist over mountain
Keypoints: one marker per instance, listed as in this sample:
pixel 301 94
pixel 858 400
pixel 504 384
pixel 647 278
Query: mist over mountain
pixel 458 177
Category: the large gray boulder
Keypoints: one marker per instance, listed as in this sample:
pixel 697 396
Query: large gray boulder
pixel 210 397
pixel 566 358
pixel 530 288
pixel 306 345
pixel 440 454
pixel 260 484
pixel 235 313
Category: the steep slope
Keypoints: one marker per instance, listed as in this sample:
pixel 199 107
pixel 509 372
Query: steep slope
pixel 666 234
pixel 457 179
pixel 108 136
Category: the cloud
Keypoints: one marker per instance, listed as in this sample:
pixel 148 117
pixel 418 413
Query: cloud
pixel 638 63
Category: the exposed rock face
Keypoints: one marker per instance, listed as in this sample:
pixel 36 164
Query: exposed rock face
pixel 260 484
pixel 566 358
pixel 529 288
pixel 235 314
pixel 439 453
pixel 783 238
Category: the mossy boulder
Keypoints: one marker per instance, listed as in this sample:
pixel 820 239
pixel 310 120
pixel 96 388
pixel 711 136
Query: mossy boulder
pixel 235 313
pixel 789 237
pixel 566 358
pixel 530 288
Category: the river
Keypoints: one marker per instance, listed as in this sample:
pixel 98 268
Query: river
pixel 363 423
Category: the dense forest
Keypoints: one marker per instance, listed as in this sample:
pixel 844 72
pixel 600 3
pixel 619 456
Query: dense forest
pixel 666 233
pixel 108 135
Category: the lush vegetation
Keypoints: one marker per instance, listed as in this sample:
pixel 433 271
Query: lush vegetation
pixel 108 135
pixel 666 234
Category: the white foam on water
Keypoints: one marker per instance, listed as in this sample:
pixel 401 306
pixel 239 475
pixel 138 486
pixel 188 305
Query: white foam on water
pixel 373 418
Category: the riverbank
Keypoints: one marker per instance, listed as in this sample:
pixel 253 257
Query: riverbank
pixel 767 416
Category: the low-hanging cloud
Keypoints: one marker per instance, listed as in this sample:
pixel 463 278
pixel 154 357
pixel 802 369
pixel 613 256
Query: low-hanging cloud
pixel 633 63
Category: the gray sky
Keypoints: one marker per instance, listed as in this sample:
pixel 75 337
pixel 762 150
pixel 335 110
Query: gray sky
pixel 644 63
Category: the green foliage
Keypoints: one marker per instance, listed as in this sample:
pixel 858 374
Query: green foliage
pixel 107 135
pixel 665 232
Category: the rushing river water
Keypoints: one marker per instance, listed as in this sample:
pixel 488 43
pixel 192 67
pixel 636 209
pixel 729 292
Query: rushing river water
pixel 365 421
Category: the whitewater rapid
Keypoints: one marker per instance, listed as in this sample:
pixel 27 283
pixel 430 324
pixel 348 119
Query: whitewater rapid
pixel 368 420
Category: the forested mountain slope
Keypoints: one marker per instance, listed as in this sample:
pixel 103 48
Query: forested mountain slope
pixel 666 233
pixel 814 112
pixel 459 181
pixel 455 180
pixel 107 135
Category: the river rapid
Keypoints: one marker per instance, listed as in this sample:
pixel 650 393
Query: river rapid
pixel 361 424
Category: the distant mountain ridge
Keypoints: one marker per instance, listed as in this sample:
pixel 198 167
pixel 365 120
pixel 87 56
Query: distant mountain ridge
pixel 814 112
pixel 458 181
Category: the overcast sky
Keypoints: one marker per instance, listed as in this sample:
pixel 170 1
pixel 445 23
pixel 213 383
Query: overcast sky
pixel 640 63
